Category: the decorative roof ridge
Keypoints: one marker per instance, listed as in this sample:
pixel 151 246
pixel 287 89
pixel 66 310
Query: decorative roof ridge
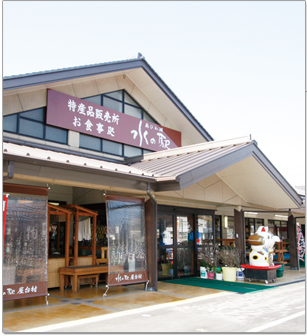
pixel 71 68
pixel 190 149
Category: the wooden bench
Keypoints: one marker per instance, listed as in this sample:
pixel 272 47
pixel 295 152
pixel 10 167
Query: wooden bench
pixel 76 272
pixel 94 277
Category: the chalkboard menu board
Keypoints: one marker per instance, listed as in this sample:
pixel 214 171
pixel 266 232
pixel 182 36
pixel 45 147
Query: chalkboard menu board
pixel 25 247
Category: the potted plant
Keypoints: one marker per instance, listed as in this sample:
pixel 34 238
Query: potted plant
pixel 218 273
pixel 209 254
pixel 230 259
pixel 203 269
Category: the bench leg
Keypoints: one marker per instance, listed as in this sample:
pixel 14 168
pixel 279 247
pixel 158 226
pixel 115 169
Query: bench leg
pixel 61 282
pixel 75 283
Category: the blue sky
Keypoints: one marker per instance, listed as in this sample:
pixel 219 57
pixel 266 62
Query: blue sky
pixel 238 66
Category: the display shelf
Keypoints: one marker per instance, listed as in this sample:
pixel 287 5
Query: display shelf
pixel 280 250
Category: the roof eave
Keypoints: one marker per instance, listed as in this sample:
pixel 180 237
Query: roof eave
pixel 186 179
pixel 67 166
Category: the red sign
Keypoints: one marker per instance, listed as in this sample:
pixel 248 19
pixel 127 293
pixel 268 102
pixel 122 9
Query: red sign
pixel 115 279
pixel 5 200
pixel 82 116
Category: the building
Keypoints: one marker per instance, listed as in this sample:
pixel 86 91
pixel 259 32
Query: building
pixel 115 132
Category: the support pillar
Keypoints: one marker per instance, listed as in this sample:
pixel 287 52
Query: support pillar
pixel 76 238
pixel 151 243
pixel 94 240
pixel 240 233
pixel 292 232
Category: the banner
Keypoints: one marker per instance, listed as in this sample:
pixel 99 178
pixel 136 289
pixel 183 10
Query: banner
pixel 300 244
pixel 5 199
pixel 127 244
pixel 25 263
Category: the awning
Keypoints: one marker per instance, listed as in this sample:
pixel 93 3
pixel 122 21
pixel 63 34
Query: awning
pixel 238 162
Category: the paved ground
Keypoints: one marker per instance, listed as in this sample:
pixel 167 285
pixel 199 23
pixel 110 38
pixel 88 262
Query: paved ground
pixel 281 309
pixel 122 302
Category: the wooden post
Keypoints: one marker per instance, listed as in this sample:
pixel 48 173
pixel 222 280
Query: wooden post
pixel 292 232
pixel 240 234
pixel 94 240
pixel 58 237
pixel 151 243
pixel 67 234
pixel 76 238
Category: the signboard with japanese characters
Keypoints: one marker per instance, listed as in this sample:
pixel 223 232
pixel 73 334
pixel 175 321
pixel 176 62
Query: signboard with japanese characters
pixel 126 235
pixel 82 116
pixel 128 278
pixel 25 260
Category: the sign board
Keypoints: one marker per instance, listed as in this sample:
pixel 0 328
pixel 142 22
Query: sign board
pixel 127 278
pixel 25 290
pixel 85 117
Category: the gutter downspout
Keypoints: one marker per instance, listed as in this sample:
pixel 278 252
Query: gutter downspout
pixel 151 240
pixel 150 194
pixel 10 171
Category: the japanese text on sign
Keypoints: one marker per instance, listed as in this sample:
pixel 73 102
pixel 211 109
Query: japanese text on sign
pixel 21 290
pixel 125 277
pixel 85 117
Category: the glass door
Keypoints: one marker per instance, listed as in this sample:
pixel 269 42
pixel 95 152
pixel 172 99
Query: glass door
pixel 165 243
pixel 181 233
pixel 185 245
pixel 205 234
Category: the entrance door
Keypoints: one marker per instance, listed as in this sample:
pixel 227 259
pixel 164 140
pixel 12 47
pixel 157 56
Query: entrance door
pixel 175 245
pixel 165 244
pixel 180 237
pixel 185 245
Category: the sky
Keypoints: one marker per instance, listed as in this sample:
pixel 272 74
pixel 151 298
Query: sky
pixel 237 66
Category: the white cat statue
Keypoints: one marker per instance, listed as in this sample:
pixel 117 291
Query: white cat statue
pixel 262 247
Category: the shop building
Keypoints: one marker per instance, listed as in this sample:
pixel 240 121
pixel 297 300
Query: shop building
pixel 115 155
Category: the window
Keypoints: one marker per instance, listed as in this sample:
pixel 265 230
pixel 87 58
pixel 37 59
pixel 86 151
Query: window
pixel 112 147
pixel 89 142
pixel 279 228
pixel 112 104
pixel 94 99
pixel 122 102
pixel 10 123
pixel 109 147
pixel 32 123
pixel 132 151
pixel 133 111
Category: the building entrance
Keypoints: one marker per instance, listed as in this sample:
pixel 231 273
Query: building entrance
pixel 181 234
